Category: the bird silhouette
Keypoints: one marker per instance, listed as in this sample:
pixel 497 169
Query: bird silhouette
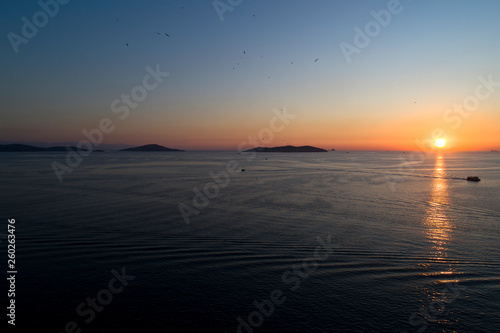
pixel 167 34
pixel 316 60
pixel 126 44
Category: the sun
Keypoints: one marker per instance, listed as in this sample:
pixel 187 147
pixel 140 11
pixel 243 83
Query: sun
pixel 440 143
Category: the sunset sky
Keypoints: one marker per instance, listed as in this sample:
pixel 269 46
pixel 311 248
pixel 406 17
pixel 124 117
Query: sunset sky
pixel 416 74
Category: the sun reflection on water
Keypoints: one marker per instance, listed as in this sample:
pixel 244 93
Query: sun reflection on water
pixel 438 224
pixel 439 268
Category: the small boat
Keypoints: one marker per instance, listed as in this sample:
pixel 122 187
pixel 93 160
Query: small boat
pixel 473 179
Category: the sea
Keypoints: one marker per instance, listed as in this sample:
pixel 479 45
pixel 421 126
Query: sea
pixel 203 241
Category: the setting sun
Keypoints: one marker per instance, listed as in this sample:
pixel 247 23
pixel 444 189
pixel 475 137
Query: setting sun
pixel 440 143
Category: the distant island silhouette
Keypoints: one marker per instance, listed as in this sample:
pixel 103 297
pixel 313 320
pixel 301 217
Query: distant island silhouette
pixel 152 147
pixel 17 147
pixel 287 149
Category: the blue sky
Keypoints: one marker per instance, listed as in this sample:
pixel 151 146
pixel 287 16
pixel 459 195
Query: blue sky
pixel 65 78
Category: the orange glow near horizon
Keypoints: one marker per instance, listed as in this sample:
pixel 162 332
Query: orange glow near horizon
pixel 412 131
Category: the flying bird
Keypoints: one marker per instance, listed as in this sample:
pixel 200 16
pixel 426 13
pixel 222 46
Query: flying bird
pixel 244 52
pixel 316 60
pixel 167 34
pixel 126 44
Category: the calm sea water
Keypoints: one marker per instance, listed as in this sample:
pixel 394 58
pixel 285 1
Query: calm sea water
pixel 418 255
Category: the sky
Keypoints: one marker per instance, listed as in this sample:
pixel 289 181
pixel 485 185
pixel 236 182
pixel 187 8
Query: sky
pixel 356 75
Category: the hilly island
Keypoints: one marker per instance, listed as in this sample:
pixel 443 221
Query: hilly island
pixel 28 148
pixel 152 147
pixel 287 149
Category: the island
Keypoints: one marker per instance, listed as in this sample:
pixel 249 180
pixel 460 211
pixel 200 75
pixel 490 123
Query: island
pixel 152 147
pixel 16 147
pixel 287 149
